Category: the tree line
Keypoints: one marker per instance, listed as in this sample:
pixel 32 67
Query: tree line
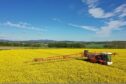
pixel 115 44
pixel 66 44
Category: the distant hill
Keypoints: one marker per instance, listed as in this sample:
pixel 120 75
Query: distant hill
pixel 64 44
pixel 2 40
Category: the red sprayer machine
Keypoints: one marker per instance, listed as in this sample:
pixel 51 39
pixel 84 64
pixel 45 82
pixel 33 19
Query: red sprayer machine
pixel 102 58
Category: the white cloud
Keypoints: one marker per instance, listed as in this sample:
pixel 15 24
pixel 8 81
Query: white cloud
pixel 110 26
pixel 22 25
pixel 2 36
pixel 95 11
pixel 99 13
pixel 57 20
pixel 104 30
pixel 121 10
pixel 90 3
pixel 116 15
pixel 89 28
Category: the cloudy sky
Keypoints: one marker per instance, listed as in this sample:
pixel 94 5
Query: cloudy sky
pixel 77 20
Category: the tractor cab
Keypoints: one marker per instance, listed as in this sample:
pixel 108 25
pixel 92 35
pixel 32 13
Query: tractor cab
pixel 106 57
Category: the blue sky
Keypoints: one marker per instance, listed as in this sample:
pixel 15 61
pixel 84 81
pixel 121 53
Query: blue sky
pixel 77 20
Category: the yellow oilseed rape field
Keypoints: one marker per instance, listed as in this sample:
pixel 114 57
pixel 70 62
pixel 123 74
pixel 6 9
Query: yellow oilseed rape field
pixel 16 66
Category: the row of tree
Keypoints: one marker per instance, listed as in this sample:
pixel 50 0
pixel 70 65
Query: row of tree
pixel 115 44
pixel 65 44
pixel 22 44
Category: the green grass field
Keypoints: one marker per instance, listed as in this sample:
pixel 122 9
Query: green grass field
pixel 13 67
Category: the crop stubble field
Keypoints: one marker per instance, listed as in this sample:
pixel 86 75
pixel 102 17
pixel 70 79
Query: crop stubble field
pixel 13 67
